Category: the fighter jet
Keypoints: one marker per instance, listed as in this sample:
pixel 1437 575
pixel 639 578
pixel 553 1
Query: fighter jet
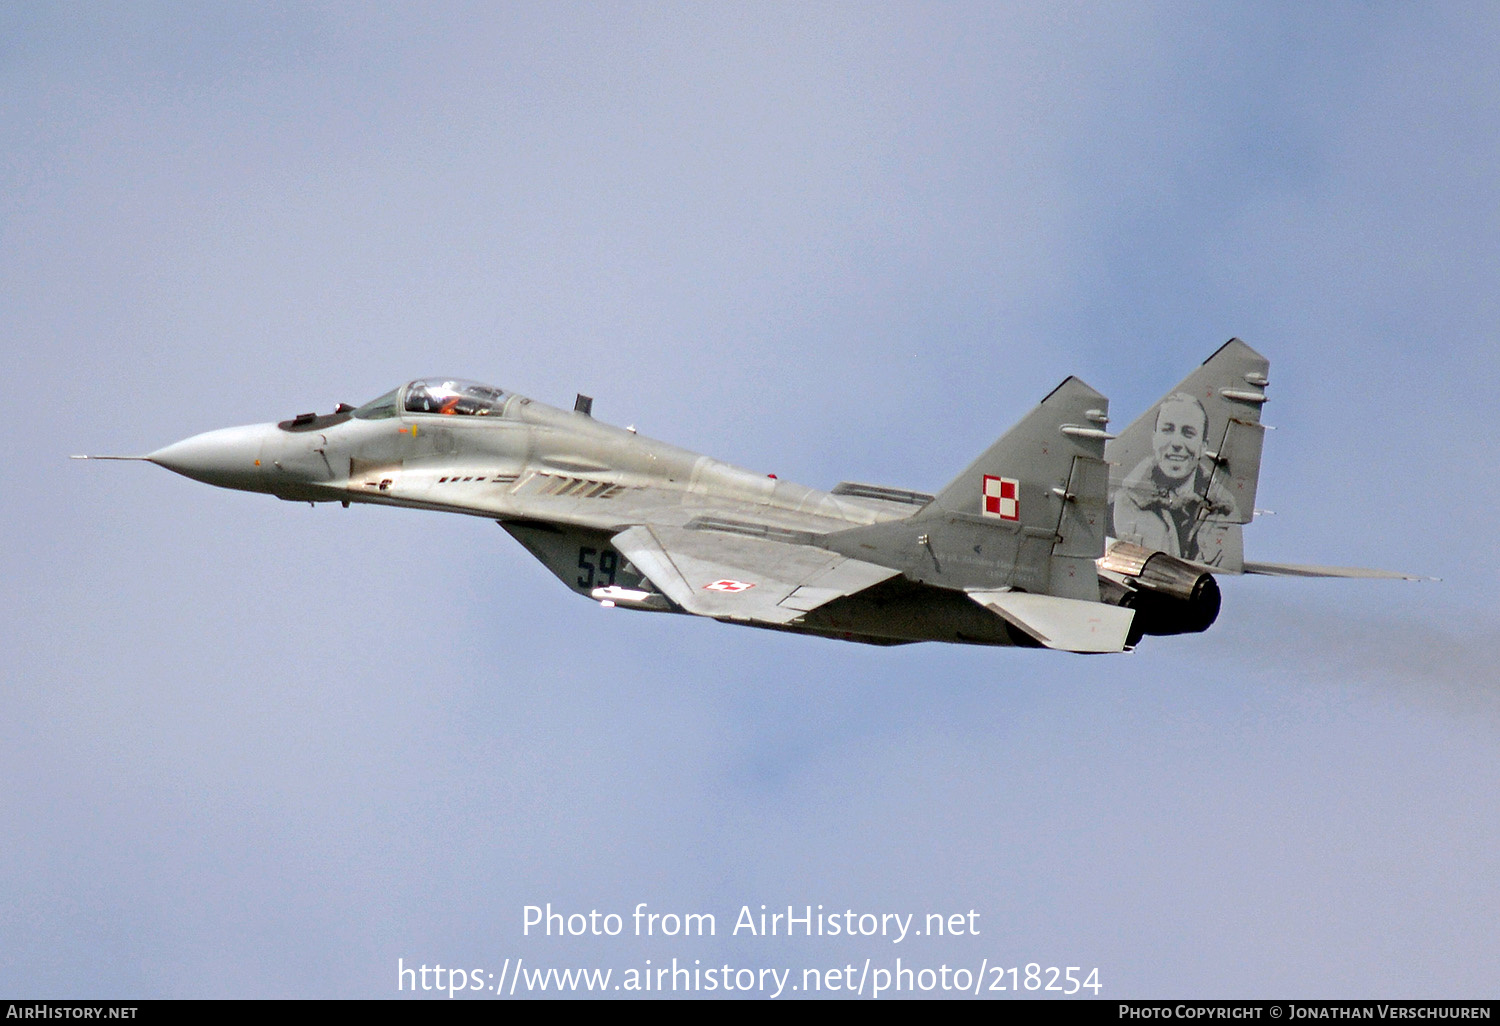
pixel 1059 535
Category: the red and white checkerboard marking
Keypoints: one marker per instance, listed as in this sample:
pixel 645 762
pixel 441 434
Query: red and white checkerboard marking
pixel 1002 497
pixel 726 585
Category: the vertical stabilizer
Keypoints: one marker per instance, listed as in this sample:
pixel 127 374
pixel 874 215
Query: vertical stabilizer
pixel 1030 513
pixel 1183 475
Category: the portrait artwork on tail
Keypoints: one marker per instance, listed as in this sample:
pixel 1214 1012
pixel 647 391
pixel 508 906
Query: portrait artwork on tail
pixel 1170 500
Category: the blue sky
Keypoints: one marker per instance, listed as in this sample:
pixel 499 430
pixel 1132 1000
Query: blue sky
pixel 257 749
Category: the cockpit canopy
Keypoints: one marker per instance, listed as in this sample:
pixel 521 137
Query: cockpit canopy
pixel 452 396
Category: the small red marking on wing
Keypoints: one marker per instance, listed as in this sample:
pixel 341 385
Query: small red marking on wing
pixel 728 586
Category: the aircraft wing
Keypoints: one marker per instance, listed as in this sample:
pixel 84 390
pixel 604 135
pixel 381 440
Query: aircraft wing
pixel 740 577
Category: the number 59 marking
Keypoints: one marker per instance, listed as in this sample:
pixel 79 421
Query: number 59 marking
pixel 602 574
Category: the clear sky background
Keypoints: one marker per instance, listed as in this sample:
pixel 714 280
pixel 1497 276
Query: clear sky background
pixel 252 748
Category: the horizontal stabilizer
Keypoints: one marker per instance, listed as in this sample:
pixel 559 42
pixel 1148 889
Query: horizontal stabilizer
pixel 1297 570
pixel 1068 625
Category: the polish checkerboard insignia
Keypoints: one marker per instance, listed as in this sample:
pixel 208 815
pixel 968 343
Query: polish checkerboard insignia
pixel 727 585
pixel 1002 497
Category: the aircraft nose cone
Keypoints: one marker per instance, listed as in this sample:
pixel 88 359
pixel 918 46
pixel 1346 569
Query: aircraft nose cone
pixel 229 457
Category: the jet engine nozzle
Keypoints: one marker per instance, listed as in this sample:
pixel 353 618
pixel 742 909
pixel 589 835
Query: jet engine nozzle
pixel 1169 595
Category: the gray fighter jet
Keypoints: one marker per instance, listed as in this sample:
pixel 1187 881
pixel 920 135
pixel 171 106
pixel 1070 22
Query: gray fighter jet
pixel 1059 535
